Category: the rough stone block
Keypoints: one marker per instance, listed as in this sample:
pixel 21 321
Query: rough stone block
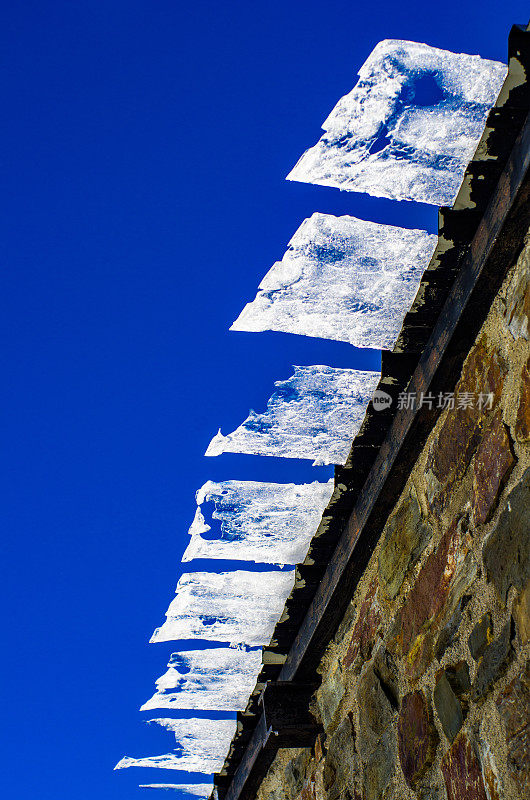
pixel 375 710
pixel 433 791
pixel 330 694
pixel 490 773
pixel 521 614
pixel 342 768
pixel 506 553
pixel 376 736
pixel 447 706
pixel 295 772
pixel 416 736
pixel 462 772
pixel 310 790
pixel 318 749
pixel 428 594
pixel 518 302
pixel 365 629
pixel 443 579
pixel 276 794
pixel 329 780
pixel 387 673
pixel 514 708
pixel 451 453
pixel 452 450
pixel 405 537
pixel 481 636
pixel 378 770
pixel 458 677
pixel 493 463
pixel 448 632
pixel 522 422
pixel 493 662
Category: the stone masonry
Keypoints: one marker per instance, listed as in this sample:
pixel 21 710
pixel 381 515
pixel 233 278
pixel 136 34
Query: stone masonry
pixel 425 687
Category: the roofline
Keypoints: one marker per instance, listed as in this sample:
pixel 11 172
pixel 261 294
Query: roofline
pixel 480 238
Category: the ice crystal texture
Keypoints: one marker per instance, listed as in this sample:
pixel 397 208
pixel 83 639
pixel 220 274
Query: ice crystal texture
pixel 314 414
pixel 271 523
pixel 203 790
pixel 409 127
pixel 342 278
pixel 236 607
pixel 218 679
pixel 202 745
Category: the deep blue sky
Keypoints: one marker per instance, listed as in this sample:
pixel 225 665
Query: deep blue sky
pixel 144 151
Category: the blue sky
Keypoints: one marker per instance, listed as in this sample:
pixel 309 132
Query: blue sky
pixel 145 146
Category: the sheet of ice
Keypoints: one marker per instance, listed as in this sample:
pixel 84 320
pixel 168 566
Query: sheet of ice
pixel 236 607
pixel 342 278
pixel 203 790
pixel 192 789
pixel 218 679
pixel 271 523
pixel 409 127
pixel 202 745
pixel 314 414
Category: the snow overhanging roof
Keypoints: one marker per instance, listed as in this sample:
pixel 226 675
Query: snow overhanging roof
pixel 479 238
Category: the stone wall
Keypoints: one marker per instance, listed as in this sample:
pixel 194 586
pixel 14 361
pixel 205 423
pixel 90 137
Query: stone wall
pixel 426 686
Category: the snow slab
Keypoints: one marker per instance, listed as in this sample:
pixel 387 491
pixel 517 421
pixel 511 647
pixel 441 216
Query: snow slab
pixel 409 127
pixel 314 414
pixel 203 790
pixel 342 278
pixel 235 607
pixel 219 679
pixel 271 523
pixel 202 746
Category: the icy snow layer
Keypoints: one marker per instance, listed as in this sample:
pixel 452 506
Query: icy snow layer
pixel 235 607
pixel 314 414
pixel 271 523
pixel 342 278
pixel 202 745
pixel 409 127
pixel 218 680
pixel 203 790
